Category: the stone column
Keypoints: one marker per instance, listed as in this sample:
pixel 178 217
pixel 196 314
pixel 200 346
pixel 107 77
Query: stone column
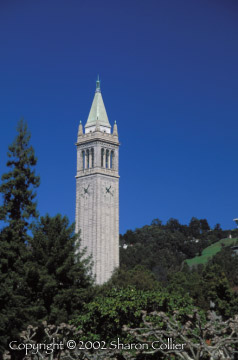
pixel 116 160
pixel 80 160
pixel 97 156
pixel 112 159
pixel 109 159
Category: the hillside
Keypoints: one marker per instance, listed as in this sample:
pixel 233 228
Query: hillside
pixel 162 249
pixel 210 251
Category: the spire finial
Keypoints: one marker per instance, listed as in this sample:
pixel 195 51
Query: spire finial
pixel 98 85
pixel 80 131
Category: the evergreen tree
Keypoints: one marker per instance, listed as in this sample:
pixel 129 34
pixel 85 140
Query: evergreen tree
pixel 58 276
pixel 18 185
pixel 16 213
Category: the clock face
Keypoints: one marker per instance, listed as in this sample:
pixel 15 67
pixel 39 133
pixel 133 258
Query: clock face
pixel 85 191
pixel 107 190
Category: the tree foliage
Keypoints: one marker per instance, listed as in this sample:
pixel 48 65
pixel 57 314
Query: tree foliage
pixel 42 272
pixel 19 183
pixel 162 249
pixel 58 276
pixel 139 277
pixel 16 213
pixel 206 285
pixel 104 317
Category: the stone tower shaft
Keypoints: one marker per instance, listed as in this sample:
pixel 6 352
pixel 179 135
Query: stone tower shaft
pixel 97 190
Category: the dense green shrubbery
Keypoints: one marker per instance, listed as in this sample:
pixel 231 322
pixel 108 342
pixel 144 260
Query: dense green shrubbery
pixel 104 317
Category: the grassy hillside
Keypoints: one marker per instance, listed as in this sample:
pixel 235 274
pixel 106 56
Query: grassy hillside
pixel 210 251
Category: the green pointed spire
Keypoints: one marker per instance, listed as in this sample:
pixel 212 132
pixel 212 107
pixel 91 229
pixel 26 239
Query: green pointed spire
pixel 97 111
pixel 98 85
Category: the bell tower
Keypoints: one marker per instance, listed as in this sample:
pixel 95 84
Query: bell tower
pixel 97 190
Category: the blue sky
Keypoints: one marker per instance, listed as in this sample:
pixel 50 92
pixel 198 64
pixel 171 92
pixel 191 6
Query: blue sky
pixel 169 76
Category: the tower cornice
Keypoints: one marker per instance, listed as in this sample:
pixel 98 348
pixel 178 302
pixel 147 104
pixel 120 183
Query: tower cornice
pixel 98 136
pixel 97 171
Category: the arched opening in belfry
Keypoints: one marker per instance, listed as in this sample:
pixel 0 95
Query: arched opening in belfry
pixel 83 159
pixel 107 159
pixel 102 157
pixel 92 158
pixel 112 160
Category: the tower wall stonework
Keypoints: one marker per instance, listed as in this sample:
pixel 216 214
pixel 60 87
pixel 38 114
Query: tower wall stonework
pixel 98 220
pixel 97 199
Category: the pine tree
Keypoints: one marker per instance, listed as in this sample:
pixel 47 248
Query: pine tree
pixel 16 214
pixel 18 184
pixel 59 274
